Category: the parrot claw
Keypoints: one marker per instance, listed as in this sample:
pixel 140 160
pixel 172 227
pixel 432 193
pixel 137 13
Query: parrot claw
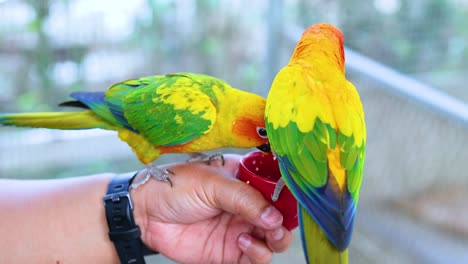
pixel 278 187
pixel 157 173
pixel 138 183
pixel 161 174
pixel 201 157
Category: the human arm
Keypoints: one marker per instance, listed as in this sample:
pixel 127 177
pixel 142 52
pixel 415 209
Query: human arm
pixel 199 219
pixel 55 221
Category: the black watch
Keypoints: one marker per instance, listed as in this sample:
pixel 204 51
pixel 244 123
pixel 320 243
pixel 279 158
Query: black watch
pixel 122 228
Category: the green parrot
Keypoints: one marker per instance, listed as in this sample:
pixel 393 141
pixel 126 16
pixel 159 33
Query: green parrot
pixel 155 115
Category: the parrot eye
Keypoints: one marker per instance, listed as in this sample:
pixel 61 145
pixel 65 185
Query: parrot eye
pixel 261 131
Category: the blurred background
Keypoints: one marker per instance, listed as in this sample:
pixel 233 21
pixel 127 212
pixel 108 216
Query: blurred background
pixel 408 58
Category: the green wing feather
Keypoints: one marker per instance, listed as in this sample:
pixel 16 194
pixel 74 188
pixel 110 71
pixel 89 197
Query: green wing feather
pixel 150 105
pixel 353 145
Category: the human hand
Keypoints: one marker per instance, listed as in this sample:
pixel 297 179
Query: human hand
pixel 208 216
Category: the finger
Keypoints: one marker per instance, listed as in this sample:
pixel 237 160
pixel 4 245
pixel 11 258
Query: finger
pixel 255 250
pixel 258 233
pixel 239 198
pixel 231 164
pixel 278 240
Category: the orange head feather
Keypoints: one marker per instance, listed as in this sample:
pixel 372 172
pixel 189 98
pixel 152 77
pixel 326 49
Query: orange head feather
pixel 320 41
pixel 248 127
pixel 251 130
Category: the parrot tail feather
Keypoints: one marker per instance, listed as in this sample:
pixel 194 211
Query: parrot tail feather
pixel 74 104
pixel 317 247
pixel 56 120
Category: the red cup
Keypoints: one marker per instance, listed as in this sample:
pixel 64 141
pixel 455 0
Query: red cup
pixel 261 171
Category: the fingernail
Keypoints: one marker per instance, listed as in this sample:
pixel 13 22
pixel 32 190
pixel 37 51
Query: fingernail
pixel 244 241
pixel 271 216
pixel 278 234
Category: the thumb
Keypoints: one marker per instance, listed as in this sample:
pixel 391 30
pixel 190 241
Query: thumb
pixel 237 197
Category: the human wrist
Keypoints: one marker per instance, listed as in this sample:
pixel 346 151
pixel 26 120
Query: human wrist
pixel 140 212
pixel 124 231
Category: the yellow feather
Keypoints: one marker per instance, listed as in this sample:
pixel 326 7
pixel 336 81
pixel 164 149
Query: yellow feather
pixel 144 150
pixel 334 164
pixel 319 249
pixel 300 100
pixel 58 120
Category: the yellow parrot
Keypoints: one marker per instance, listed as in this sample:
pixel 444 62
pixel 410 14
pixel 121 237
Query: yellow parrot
pixel 316 127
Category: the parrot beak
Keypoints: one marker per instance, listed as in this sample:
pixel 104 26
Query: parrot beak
pixel 265 147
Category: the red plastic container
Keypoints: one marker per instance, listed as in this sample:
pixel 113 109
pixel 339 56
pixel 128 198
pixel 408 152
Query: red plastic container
pixel 261 170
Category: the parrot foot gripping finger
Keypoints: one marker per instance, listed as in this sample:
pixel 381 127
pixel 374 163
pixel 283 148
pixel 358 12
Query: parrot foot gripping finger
pixel 158 173
pixel 201 157
pixel 278 187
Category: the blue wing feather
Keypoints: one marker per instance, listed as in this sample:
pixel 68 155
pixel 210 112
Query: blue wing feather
pixel 333 216
pixel 97 102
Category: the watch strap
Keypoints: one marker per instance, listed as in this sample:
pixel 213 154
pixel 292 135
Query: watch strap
pixel 122 228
